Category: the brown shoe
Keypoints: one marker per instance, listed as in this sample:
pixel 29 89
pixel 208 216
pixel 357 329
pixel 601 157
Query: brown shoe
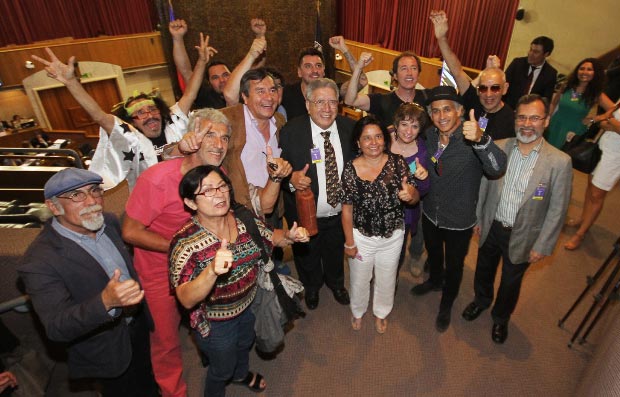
pixel 574 242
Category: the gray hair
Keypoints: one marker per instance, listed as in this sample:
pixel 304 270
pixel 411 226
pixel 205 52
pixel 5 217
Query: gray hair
pixel 321 83
pixel 457 106
pixel 59 207
pixel 213 115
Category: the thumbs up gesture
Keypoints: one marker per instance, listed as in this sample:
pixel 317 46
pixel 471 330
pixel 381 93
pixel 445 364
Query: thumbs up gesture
pixel 471 130
pixel 121 293
pixel 277 168
pixel 223 259
pixel 299 180
pixel 420 172
pixel 407 193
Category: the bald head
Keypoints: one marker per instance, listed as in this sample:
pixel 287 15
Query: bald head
pixel 491 88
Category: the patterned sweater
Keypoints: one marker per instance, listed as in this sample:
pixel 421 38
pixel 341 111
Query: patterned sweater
pixel 193 248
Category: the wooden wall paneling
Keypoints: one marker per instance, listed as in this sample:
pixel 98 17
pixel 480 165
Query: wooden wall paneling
pixel 130 51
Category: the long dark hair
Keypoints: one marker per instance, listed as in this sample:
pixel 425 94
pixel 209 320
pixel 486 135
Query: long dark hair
pixel 595 86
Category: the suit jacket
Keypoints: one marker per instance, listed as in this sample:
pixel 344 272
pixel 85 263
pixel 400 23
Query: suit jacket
pixel 232 162
pixel 516 76
pixel 65 283
pixel 538 222
pixel 296 142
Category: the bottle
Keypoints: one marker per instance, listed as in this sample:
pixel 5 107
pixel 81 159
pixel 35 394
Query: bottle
pixel 306 211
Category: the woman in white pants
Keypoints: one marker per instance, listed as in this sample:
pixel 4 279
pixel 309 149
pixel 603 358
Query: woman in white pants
pixel 376 184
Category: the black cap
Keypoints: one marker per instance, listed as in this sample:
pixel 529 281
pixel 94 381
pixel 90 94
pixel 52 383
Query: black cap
pixel 443 92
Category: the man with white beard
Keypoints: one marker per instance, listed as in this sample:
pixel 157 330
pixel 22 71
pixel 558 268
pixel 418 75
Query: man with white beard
pixel 83 286
pixel 519 215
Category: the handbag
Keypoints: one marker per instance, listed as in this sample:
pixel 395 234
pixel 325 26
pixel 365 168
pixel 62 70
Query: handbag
pixel 274 308
pixel 584 152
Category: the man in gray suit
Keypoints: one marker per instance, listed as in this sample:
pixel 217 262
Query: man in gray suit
pixel 519 215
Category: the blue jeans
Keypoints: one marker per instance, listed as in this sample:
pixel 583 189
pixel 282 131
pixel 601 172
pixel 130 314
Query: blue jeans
pixel 228 349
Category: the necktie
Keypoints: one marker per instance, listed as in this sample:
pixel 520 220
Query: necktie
pixel 332 179
pixel 530 78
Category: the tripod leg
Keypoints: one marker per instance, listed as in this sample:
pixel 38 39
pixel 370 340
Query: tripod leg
pixel 597 299
pixel 612 295
pixel 591 281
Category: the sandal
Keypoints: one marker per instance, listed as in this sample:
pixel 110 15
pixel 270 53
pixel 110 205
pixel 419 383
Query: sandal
pixel 356 323
pixel 253 382
pixel 381 325
pixel 574 242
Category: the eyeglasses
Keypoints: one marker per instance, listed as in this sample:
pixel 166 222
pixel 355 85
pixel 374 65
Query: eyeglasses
pixel 210 191
pixel 495 88
pixel 77 196
pixel 143 114
pixel 521 118
pixel 322 102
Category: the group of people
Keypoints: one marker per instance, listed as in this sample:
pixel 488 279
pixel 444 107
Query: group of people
pixel 209 189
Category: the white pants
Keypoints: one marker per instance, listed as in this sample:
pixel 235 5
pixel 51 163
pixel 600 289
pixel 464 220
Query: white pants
pixel 379 255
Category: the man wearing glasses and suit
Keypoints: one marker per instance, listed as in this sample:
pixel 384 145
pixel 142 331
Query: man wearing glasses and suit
pixel 519 215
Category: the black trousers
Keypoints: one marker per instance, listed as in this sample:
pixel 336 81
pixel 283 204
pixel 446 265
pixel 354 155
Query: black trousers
pixel 322 258
pixel 137 380
pixel 495 247
pixel 449 247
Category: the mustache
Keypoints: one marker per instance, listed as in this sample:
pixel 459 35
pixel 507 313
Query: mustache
pixel 92 208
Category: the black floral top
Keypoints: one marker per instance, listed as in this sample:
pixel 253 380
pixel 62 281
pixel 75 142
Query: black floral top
pixel 377 210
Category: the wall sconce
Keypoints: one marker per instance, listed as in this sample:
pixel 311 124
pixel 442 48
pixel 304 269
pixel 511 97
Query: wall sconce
pixel 29 65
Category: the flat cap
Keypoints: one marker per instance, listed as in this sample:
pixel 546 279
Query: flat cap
pixel 69 179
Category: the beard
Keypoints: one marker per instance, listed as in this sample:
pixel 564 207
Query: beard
pixel 526 138
pixel 93 223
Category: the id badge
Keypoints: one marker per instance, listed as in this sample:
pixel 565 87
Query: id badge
pixel 483 122
pixel 315 155
pixel 412 167
pixel 540 191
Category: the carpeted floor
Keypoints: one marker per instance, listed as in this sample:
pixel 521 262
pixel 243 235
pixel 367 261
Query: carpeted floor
pixel 323 356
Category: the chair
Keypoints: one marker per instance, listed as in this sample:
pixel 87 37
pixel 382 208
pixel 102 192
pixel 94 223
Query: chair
pixel 114 199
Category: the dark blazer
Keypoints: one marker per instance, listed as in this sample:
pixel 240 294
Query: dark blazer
pixel 65 283
pixel 296 142
pixel 538 222
pixel 516 76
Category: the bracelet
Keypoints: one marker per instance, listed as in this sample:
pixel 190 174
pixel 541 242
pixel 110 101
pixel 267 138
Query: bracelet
pixel 349 247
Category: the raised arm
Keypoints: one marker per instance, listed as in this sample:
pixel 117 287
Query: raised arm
pixel 440 24
pixel 177 29
pixel 353 98
pixel 233 85
pixel 255 57
pixel 338 43
pixel 205 52
pixel 65 73
pixel 493 61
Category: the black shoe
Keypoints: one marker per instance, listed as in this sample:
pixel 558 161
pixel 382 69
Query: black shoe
pixel 425 288
pixel 312 300
pixel 499 333
pixel 342 296
pixel 472 311
pixel 443 320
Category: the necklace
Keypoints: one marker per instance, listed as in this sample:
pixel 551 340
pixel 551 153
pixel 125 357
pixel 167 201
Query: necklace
pixel 407 149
